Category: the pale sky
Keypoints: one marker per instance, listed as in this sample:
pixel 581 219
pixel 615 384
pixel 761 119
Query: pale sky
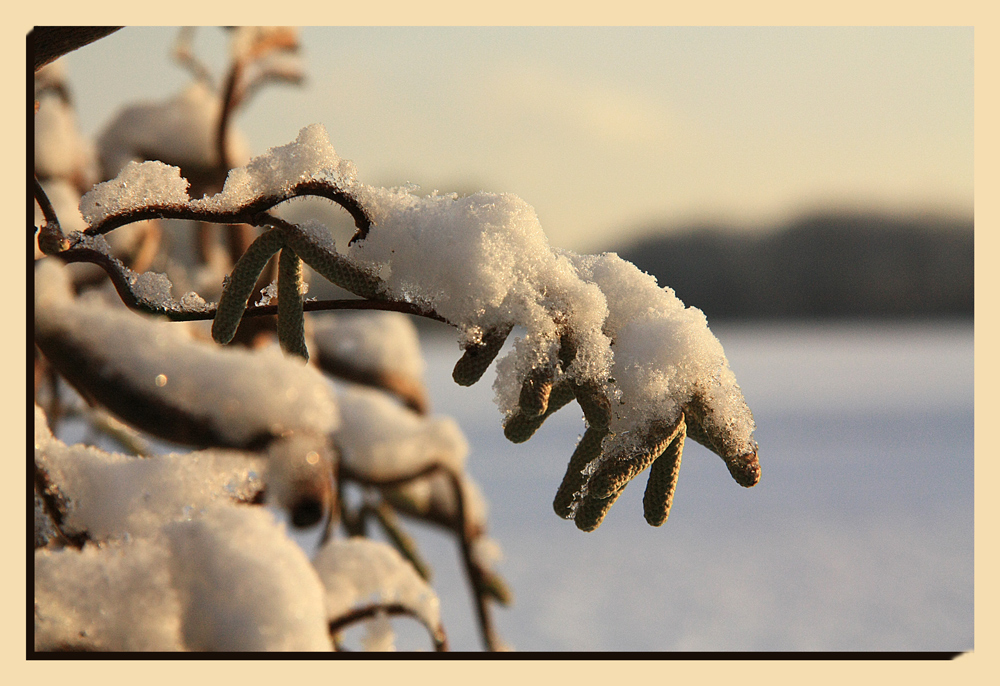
pixel 609 132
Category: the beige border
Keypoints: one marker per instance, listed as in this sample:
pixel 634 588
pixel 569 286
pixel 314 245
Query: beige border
pixel 972 668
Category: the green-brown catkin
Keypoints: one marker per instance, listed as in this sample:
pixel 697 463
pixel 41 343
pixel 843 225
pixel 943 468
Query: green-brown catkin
pixel 291 322
pixel 616 471
pixel 334 267
pixel 238 288
pixel 587 449
pixel 478 357
pixel 662 481
pixel 519 428
pixel 592 510
pixel 594 403
pixel 745 469
pixel 535 391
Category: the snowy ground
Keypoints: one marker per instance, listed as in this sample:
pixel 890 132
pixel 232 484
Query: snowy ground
pixel 859 535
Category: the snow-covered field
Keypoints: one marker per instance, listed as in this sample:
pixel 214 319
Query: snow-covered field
pixel 859 535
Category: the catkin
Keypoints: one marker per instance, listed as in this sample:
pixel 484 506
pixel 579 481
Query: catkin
pixel 745 469
pixel 592 510
pixel 478 357
pixel 238 288
pixel 518 428
pixel 535 391
pixel 615 473
pixel 291 322
pixel 334 267
pixel 587 449
pixel 662 481
pixel 594 403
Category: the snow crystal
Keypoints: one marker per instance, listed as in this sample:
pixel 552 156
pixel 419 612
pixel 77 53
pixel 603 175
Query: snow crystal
pixel 360 571
pixel 244 584
pixel 138 185
pixel 482 262
pixel 241 394
pixel 664 351
pixel 268 294
pixel 383 440
pixel 193 301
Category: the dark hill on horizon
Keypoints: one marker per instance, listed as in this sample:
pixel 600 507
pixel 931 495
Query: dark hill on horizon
pixel 831 265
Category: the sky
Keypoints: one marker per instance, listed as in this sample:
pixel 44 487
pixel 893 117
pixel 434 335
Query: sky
pixel 609 133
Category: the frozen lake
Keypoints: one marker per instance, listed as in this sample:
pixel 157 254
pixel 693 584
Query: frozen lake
pixel 859 535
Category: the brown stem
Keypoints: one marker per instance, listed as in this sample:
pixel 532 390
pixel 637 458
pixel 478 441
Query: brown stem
pixel 249 213
pixel 475 574
pixel 473 571
pixel 51 239
pixel 229 103
pixel 52 503
pixel 51 42
pixel 369 611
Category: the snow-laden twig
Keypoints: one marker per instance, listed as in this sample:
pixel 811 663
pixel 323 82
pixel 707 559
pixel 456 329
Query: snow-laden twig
pixel 599 331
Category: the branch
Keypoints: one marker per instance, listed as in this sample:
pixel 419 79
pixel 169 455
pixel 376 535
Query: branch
pixel 54 508
pixel 51 239
pixel 479 579
pixel 51 42
pixel 251 212
pixel 370 611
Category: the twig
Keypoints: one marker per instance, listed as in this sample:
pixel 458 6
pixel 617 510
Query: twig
pixel 52 503
pixel 185 55
pixel 459 525
pixel 51 42
pixel 370 611
pixel 51 239
pixel 252 212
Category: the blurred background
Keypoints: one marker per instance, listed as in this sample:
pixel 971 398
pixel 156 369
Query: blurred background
pixel 811 190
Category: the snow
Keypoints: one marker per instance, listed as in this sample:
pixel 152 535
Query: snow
pixel 137 185
pixel 272 599
pixel 377 342
pixel 241 394
pixel 383 440
pixel 483 263
pixel 309 158
pixel 177 564
pixel 113 496
pixel 115 597
pixel 181 131
pixel 360 571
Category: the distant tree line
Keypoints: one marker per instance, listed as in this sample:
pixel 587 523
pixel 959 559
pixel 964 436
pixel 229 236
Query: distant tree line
pixel 823 265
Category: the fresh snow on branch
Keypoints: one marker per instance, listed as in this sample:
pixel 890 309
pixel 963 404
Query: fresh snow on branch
pixel 223 396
